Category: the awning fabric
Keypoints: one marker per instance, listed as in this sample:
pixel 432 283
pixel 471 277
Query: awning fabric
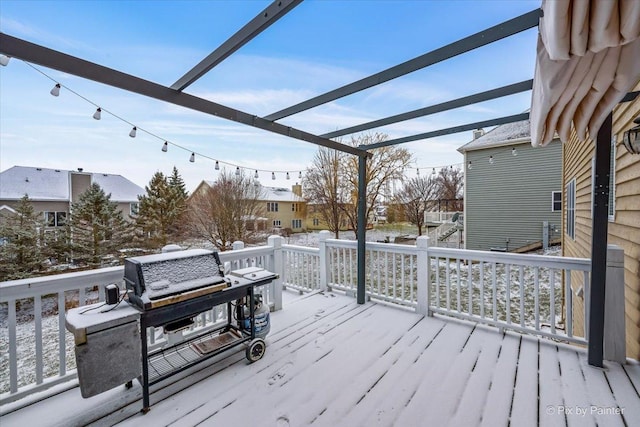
pixel 588 58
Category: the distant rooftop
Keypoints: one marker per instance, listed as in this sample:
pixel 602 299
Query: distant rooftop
pixel 510 133
pixel 44 184
pixel 273 194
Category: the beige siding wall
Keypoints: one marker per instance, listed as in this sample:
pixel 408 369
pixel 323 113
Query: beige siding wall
pixel 624 230
pixel 286 214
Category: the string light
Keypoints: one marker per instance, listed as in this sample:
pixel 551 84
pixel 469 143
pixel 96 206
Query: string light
pixel 256 174
pixel 418 171
pixel 97 115
pixel 514 152
pixel 4 60
pixel 237 170
pixel 56 90
pixel 433 172
pixel 469 166
pixel 490 160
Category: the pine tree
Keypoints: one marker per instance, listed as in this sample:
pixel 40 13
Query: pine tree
pixel 98 227
pixel 20 251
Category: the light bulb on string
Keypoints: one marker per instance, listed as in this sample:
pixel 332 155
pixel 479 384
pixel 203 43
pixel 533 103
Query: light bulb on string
pixel 56 90
pixel 300 175
pixel 192 159
pixel 255 175
pixel 4 60
pixel 470 166
pixel 165 146
pixel 237 170
pixel 433 172
pixel 418 171
pixel 287 175
pixel 273 175
pixel 490 160
pixel 514 152
pixel 132 134
pixel 217 167
pixel 98 114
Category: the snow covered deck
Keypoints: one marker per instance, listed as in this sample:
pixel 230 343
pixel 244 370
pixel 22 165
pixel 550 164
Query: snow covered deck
pixel 331 362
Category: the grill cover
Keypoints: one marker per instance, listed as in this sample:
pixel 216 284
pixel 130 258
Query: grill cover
pixel 156 277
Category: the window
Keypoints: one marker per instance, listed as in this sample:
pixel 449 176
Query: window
pixel 556 201
pixel 316 222
pixel 272 206
pixel 276 223
pixel 134 208
pixel 295 207
pixel 571 208
pixel 296 223
pixel 55 219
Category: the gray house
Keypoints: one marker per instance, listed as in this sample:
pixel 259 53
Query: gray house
pixel 513 191
pixel 51 191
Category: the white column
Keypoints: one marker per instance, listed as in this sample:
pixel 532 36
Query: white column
pixel 614 308
pixel 324 259
pixel 422 246
pixel 277 266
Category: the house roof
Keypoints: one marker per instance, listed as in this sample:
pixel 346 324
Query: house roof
pixel 271 194
pixel 44 184
pixel 507 134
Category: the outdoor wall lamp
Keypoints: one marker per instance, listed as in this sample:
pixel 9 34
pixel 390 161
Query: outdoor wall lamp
pixel 631 138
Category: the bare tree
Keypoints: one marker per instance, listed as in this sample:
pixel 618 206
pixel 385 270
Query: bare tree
pixel 222 212
pixel 322 187
pixel 416 197
pixel 385 164
pixel 450 182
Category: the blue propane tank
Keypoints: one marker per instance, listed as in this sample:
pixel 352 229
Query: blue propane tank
pixel 262 321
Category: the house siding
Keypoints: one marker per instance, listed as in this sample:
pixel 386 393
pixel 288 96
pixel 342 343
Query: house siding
pixel 506 202
pixel 623 231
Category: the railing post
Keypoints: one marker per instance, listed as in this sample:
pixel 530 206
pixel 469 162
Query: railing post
pixel 423 261
pixel 324 259
pixel 614 317
pixel 278 267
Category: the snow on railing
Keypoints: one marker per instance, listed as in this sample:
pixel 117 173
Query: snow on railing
pixel 526 293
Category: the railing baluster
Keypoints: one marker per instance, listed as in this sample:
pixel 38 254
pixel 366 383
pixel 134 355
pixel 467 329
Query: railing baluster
pixel 437 267
pixel 386 273
pixel 413 282
pixel 569 301
pixel 481 266
pixel 521 279
pixel 37 320
pixel 448 280
pixel 586 292
pixel 508 292
pixel 536 295
pixel 552 299
pixel 13 347
pixel 469 285
pixel 82 297
pixel 495 292
pixel 62 356
pixel 402 277
pixel 458 289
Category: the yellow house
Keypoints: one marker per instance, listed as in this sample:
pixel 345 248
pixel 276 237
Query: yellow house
pixel 624 213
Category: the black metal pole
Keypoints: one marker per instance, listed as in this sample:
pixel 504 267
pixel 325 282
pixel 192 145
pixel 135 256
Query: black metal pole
pixel 362 226
pixel 599 243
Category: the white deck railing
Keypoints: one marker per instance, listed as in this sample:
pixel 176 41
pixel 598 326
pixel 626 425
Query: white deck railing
pixel 526 293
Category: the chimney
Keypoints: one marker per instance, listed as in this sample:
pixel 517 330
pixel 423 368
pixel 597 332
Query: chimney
pixel 297 189
pixel 80 169
pixel 478 133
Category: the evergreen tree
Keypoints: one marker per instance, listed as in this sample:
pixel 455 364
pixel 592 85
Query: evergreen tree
pixel 98 227
pixel 20 252
pixel 177 184
pixel 178 205
pixel 158 211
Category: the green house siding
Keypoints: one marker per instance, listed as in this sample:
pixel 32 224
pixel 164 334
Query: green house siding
pixel 506 202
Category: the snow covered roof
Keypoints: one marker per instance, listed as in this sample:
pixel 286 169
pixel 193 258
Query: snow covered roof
pixel 507 134
pixel 279 194
pixel 43 184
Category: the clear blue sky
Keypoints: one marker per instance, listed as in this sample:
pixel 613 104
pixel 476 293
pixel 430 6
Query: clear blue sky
pixel 318 46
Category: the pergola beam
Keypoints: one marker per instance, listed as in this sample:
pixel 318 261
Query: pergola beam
pixel 261 22
pixel 490 35
pixel 437 108
pixel 448 131
pixel 18 48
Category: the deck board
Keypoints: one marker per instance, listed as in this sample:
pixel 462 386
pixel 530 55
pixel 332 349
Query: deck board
pixel 332 362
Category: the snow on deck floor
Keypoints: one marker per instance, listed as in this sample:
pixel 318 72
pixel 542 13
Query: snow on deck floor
pixel 331 362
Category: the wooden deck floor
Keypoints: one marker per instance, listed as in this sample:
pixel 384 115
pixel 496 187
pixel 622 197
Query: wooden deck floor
pixel 331 362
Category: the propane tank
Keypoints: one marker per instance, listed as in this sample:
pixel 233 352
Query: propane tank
pixel 261 315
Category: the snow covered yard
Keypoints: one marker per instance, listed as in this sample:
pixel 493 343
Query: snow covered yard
pixel 331 362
